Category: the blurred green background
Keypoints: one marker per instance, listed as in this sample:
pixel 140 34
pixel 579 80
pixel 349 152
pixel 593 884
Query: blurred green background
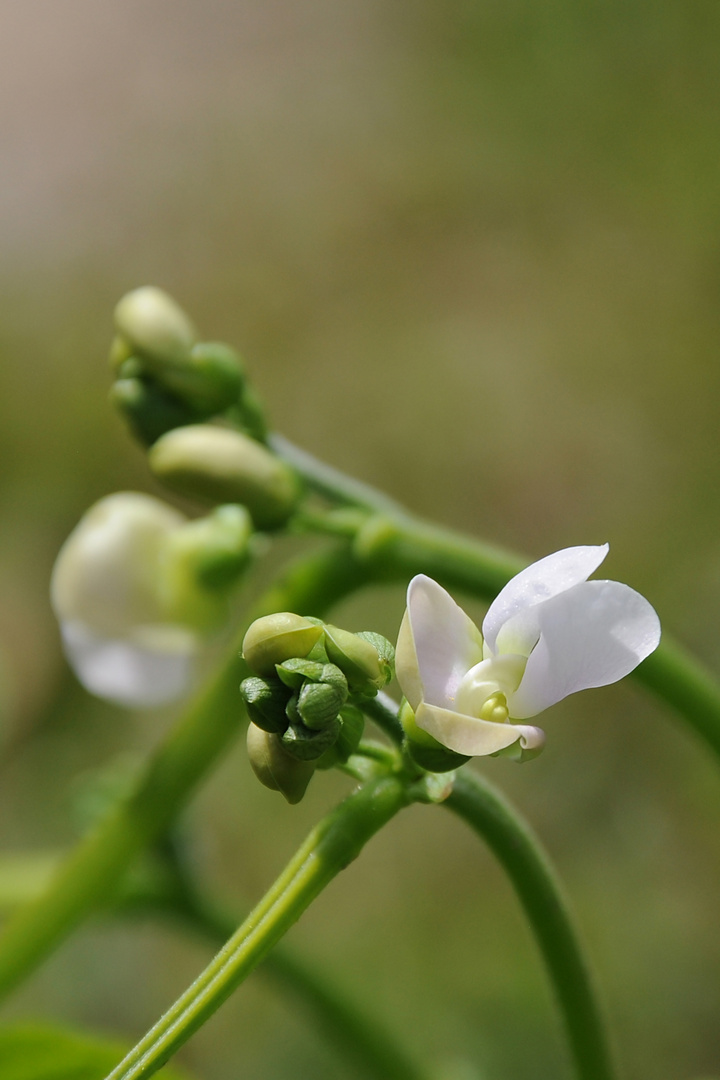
pixel 471 252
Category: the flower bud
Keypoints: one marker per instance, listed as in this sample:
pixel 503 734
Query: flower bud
pixel 320 703
pixel 148 410
pixel 212 380
pixel 155 327
pixel 359 659
pixel 425 751
pixel 275 768
pixel 266 700
pixel 220 465
pixel 275 638
pixel 305 744
pixel 347 742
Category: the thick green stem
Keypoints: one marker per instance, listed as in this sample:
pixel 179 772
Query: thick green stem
pixel 89 876
pixel 166 892
pixel 491 816
pixel 358 1036
pixel 334 843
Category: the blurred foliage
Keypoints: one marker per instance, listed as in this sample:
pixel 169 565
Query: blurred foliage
pixel 471 253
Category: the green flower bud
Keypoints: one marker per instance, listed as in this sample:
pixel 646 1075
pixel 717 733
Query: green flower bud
pixel 265 700
pixel 303 743
pixel 276 638
pixel 155 327
pixel 366 671
pixel 275 768
pixel 425 751
pixel 219 465
pixel 147 409
pixel 347 742
pixel 212 380
pixel 320 703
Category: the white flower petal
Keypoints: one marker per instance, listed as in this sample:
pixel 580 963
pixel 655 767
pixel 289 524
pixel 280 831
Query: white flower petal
pixel 406 664
pixel 126 672
pixel 438 644
pixel 590 635
pixel 107 572
pixel 475 738
pixel 537 583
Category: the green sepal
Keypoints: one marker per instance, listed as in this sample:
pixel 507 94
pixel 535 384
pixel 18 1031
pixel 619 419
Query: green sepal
pixel 385 650
pixel 357 658
pixel 304 744
pixel 212 380
pixel 131 368
pixel 266 700
pixel 423 749
pixel 296 670
pixel 249 414
pixel 149 410
pixel 225 551
pixel 351 732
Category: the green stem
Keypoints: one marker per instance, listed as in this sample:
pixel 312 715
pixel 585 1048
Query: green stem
pixel 491 816
pixel 357 1036
pixel 395 546
pixel 167 892
pixel 332 844
pixel 89 876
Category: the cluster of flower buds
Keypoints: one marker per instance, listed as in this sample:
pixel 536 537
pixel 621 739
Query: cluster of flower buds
pixel 299 699
pixel 169 385
pixel 166 377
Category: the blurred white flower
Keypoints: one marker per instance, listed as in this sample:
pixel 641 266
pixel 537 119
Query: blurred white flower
pixel 548 633
pixel 131 607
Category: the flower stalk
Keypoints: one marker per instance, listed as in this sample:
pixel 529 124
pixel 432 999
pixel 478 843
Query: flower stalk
pixel 332 844
pixel 536 884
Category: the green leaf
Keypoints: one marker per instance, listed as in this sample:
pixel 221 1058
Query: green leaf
pixel 38 1052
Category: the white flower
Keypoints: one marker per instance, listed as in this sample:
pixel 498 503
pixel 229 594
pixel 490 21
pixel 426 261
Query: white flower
pixel 549 633
pixel 131 615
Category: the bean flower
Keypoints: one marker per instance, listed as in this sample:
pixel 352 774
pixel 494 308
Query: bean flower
pixel 134 593
pixel 549 633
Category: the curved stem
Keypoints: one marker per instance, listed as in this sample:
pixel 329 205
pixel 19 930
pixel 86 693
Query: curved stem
pixel 90 874
pixel 329 481
pixel 358 1036
pixel 384 712
pixel 334 843
pixel 491 816
pixel 168 892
